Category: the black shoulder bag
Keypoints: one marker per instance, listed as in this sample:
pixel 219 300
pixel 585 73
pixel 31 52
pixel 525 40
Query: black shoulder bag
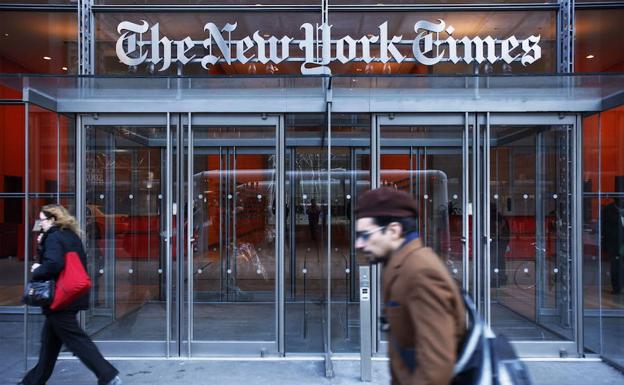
pixel 39 293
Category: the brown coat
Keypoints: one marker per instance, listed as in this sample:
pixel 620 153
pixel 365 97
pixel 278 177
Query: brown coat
pixel 424 308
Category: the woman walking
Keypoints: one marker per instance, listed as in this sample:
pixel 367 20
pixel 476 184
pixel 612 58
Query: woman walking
pixel 61 235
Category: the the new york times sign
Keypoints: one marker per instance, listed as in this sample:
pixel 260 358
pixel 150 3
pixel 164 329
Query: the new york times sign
pixel 433 42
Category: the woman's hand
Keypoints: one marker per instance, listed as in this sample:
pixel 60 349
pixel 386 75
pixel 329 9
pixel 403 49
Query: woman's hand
pixel 39 238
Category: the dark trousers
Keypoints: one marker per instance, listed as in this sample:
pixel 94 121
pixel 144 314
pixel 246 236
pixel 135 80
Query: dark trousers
pixel 62 328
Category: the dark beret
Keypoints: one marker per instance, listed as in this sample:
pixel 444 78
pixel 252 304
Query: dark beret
pixel 388 202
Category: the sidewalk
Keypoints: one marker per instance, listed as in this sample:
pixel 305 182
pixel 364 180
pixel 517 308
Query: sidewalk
pixel 200 372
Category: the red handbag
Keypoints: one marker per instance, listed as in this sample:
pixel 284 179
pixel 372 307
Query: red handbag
pixel 72 283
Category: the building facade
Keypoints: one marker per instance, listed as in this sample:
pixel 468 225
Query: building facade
pixel 212 151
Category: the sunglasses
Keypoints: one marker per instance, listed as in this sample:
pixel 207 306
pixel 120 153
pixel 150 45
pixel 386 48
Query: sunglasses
pixel 365 235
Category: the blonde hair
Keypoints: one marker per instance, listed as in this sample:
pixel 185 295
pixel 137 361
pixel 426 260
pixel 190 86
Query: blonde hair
pixel 62 217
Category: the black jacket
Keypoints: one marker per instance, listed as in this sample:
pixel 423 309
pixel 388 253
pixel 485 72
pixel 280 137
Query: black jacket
pixel 54 244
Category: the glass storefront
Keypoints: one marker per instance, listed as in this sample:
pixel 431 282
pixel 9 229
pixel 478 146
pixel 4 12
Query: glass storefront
pixel 602 262
pixel 217 200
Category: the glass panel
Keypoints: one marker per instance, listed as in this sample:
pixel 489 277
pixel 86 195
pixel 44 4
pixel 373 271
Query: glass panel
pixel 61 2
pixel 234 264
pixel 530 222
pixel 124 218
pixel 12 149
pixel 350 177
pixel 606 270
pixel 306 256
pixel 67 154
pixel 209 2
pixel 441 2
pixel 11 251
pixel 38 42
pixel 43 150
pixel 593 275
pixel 597 44
pixel 426 161
pixel 428 165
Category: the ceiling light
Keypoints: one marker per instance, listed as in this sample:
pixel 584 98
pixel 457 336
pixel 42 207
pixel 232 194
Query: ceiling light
pixel 47 58
pixel 590 56
pixel 6 35
pixel 64 68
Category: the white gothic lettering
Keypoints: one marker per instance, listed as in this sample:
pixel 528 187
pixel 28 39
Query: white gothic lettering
pixel 433 43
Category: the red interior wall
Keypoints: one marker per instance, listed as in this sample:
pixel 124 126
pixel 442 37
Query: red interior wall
pixel 11 164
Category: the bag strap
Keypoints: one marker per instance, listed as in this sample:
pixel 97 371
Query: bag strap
pixel 475 333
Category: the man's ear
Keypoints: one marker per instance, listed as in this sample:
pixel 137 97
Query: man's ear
pixel 397 229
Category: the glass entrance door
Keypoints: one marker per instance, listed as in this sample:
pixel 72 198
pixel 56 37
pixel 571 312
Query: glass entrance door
pixel 424 156
pixel 530 279
pixel 182 236
pixel 124 205
pixel 495 194
pixel 232 234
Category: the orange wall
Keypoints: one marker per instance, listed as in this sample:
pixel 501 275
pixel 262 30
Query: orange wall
pixel 603 157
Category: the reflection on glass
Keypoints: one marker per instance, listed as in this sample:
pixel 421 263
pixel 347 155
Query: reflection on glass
pixel 596 30
pixel 530 218
pixel 426 161
pixel 432 173
pixel 38 42
pixel 234 262
pixel 122 230
pixel 603 239
pixel 350 177
pixel 306 254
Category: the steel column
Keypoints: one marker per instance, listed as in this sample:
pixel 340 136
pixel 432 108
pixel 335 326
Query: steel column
pixel 476 211
pixel 329 371
pixel 190 192
pixel 281 222
pixel 375 276
pixel 169 221
pixel 27 250
pixel 86 39
pixel 465 203
pixel 577 235
pixel 487 240
pixel 540 229
pixel 565 36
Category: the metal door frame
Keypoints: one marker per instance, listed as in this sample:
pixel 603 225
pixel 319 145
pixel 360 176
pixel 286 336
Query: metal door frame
pixel 536 348
pixel 379 347
pixel 476 161
pixel 148 348
pixel 238 348
pixel 178 135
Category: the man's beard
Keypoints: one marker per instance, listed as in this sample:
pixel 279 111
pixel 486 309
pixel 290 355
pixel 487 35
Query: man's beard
pixel 373 259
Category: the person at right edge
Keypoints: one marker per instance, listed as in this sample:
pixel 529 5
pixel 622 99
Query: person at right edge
pixel 61 235
pixel 422 304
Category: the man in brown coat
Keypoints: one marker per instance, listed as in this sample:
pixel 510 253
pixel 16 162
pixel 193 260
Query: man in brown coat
pixel 422 303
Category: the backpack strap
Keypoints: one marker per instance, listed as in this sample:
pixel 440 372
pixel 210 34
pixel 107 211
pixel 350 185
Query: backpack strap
pixel 473 336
